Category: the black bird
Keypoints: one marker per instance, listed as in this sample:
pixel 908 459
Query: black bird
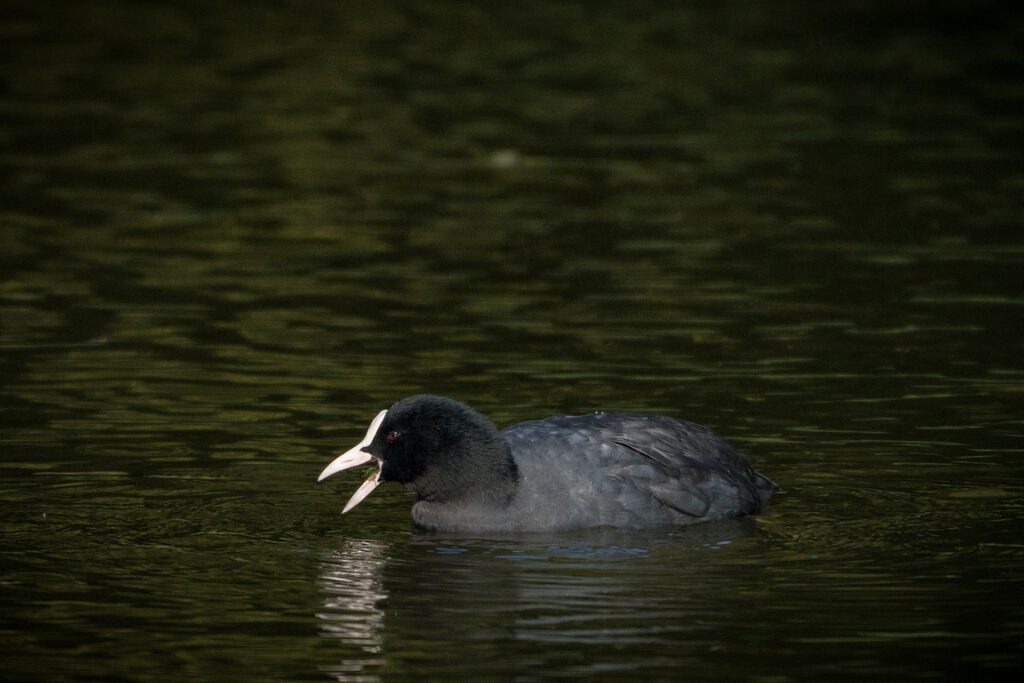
pixel 563 472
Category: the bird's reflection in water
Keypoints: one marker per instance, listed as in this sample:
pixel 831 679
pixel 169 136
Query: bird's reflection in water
pixel 446 607
pixel 350 579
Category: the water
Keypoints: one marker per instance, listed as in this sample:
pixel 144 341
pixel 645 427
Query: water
pixel 231 236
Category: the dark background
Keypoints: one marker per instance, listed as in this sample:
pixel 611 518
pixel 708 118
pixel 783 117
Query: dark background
pixel 233 232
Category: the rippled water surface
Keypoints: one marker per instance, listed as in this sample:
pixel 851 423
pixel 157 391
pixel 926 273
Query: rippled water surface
pixel 233 233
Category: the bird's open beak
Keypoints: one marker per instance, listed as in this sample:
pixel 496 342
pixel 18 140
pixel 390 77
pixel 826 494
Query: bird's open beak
pixel 354 457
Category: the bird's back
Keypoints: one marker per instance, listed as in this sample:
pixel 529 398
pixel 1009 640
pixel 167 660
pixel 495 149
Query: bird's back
pixel 628 470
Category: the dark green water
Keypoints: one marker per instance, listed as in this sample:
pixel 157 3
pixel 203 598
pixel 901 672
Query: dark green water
pixel 232 233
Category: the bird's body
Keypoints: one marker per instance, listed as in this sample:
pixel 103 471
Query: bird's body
pixel 564 472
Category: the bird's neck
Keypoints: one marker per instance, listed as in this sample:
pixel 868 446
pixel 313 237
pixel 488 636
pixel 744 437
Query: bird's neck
pixel 489 478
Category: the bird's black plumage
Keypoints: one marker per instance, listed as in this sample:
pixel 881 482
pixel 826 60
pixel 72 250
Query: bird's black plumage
pixel 563 472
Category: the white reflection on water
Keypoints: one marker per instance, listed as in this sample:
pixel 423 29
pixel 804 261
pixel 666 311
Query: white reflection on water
pixel 351 582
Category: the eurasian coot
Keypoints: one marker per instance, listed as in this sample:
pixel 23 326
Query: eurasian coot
pixel 564 472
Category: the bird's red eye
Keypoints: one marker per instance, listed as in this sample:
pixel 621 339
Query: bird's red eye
pixel 391 436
